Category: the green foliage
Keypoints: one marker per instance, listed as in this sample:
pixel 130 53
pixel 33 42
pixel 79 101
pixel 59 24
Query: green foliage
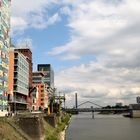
pixel 7 132
pixel 53 133
pixel 64 122
pixel 52 137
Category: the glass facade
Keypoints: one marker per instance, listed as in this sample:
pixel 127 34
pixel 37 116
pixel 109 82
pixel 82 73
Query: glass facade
pixel 48 72
pixel 4 55
pixel 21 74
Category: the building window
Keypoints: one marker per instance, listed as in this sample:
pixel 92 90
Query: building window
pixel 33 101
pixel 42 95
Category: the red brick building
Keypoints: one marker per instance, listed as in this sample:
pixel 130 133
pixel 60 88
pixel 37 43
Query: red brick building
pixel 39 97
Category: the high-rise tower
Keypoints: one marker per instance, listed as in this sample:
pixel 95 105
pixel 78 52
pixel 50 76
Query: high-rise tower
pixel 4 54
pixel 49 74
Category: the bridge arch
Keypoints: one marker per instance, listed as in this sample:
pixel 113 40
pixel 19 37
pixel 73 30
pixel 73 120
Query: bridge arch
pixel 90 103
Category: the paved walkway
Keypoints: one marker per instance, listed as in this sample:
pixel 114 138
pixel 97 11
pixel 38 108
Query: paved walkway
pixel 3 113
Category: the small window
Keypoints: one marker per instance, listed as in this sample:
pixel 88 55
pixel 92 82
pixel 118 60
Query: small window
pixel 42 95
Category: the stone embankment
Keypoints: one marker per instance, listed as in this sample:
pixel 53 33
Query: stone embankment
pixel 35 127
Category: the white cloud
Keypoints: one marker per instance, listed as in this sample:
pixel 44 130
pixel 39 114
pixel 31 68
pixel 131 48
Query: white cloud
pixel 96 25
pixel 99 83
pixel 30 14
pixel 18 24
pixel 24 43
pixel 108 30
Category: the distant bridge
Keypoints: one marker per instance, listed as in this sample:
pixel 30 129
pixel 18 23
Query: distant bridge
pixel 96 109
pixel 99 108
pixel 90 103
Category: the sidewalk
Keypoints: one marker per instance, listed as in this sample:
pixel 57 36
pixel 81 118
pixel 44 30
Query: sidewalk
pixel 3 113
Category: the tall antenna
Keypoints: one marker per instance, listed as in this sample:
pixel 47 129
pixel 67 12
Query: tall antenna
pixel 76 102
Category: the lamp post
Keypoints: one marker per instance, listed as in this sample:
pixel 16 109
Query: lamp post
pixel 15 103
pixel 2 102
pixel 64 102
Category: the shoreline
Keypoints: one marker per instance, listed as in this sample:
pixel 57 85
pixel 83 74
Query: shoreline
pixel 63 133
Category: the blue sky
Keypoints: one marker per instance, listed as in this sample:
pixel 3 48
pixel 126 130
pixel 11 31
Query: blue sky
pixel 88 43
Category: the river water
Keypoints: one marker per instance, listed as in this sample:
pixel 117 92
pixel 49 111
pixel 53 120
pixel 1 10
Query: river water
pixel 103 127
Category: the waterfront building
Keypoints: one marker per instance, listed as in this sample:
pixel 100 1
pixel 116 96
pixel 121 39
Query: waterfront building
pixel 4 54
pixel 28 54
pixel 40 95
pixel 38 77
pixel 134 110
pixel 48 72
pixel 138 99
pixel 18 80
pixel 26 51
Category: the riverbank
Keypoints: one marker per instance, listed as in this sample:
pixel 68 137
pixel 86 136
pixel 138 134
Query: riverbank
pixel 63 133
pixel 57 133
pixel 8 132
pixel 10 129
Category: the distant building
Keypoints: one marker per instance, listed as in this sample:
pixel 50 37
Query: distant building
pixel 4 48
pixel 18 80
pixel 48 72
pixel 38 77
pixel 40 96
pixel 119 104
pixel 134 110
pixel 138 99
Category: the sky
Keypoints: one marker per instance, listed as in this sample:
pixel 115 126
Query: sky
pixel 93 45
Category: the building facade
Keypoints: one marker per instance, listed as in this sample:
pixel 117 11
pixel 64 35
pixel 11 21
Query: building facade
pixel 18 81
pixel 138 99
pixel 28 54
pixel 4 54
pixel 40 95
pixel 38 77
pixel 48 72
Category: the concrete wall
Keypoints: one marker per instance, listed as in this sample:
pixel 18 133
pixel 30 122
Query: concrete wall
pixel 51 119
pixel 33 127
pixel 135 114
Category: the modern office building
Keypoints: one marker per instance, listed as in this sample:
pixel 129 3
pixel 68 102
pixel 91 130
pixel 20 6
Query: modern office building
pixel 48 72
pixel 4 54
pixel 37 77
pixel 28 54
pixel 18 80
pixel 40 95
